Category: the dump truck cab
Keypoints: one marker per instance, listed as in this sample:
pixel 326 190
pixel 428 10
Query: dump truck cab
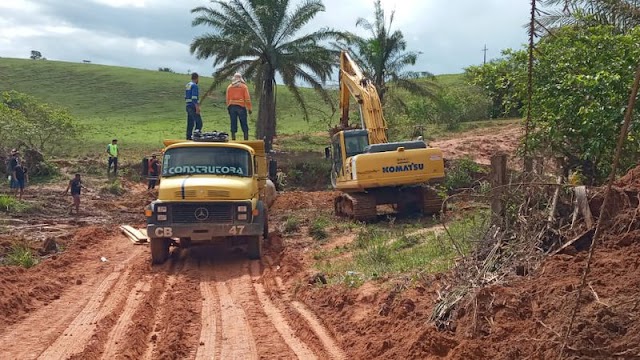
pixel 210 191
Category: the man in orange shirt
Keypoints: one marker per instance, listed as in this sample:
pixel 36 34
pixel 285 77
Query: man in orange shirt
pixel 238 103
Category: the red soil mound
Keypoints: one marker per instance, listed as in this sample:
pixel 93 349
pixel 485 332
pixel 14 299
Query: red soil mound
pixel 526 317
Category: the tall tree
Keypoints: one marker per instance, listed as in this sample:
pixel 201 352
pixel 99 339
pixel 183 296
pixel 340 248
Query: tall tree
pixel 383 55
pixel 262 38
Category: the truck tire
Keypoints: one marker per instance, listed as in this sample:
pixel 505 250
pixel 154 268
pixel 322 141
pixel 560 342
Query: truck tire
pixel 254 247
pixel 159 250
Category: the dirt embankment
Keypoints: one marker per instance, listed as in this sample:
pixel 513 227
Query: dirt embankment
pixel 481 144
pixel 526 317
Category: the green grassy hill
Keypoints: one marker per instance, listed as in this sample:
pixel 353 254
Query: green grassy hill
pixel 143 107
pixel 139 107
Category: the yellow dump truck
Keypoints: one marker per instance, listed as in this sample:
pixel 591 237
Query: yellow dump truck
pixel 210 191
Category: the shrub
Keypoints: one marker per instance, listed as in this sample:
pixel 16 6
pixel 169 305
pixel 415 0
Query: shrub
pixel 309 175
pixel 21 255
pixel 317 229
pixel 461 174
pixel 9 203
pixel 291 225
pixel 114 187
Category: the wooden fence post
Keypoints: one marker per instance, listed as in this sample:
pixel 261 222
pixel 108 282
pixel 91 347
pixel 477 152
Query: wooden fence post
pixel 498 182
pixel 539 165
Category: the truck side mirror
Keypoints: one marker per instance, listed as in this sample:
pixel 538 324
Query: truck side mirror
pixel 273 170
pixel 327 152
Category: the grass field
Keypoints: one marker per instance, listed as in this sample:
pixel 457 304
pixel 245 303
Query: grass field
pixel 139 107
pixel 143 107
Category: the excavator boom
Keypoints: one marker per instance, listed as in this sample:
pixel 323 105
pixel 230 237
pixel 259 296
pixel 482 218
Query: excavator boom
pixel 354 83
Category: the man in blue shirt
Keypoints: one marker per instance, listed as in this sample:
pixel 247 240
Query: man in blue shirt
pixel 193 107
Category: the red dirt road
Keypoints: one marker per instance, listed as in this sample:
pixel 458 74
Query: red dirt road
pixel 204 303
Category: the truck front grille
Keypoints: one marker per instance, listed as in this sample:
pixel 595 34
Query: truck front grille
pixel 202 213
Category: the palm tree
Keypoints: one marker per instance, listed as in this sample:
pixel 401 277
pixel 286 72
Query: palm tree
pixel 383 56
pixel 262 38
pixel 622 14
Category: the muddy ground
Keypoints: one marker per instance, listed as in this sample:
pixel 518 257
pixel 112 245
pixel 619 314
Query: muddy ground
pixel 211 302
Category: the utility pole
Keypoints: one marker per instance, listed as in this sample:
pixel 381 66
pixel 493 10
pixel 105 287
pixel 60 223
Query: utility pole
pixel 484 61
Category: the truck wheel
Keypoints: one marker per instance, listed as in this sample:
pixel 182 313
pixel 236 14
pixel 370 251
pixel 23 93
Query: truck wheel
pixel 159 250
pixel 254 247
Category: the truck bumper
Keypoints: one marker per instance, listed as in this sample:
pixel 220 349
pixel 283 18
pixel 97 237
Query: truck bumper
pixel 203 231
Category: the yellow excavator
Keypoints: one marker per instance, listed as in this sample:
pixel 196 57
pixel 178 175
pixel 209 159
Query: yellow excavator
pixel 367 168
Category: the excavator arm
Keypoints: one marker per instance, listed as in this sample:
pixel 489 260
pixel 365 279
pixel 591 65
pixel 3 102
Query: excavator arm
pixel 354 84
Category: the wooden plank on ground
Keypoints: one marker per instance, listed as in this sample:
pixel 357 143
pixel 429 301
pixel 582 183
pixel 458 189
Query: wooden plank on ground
pixel 135 235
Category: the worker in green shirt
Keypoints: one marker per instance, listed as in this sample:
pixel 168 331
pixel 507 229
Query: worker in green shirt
pixel 112 151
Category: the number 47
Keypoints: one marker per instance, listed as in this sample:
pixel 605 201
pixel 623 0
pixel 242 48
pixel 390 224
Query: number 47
pixel 236 230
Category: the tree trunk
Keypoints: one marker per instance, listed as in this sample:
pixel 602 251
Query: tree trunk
pixel 266 124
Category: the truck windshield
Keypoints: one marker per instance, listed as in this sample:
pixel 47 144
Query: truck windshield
pixel 206 161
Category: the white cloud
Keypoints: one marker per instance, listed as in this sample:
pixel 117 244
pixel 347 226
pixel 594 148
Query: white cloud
pixel 122 3
pixel 152 33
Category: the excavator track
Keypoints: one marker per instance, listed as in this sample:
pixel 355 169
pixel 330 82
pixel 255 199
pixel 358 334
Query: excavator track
pixel 431 201
pixel 360 207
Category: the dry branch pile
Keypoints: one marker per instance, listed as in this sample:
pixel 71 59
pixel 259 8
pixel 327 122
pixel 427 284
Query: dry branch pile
pixel 532 258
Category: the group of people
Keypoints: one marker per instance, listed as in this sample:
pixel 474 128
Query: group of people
pixel 238 105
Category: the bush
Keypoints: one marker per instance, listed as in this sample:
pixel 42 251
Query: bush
pixel 36 125
pixel 317 229
pixel 291 225
pixel 9 203
pixel 461 174
pixel 21 255
pixel 114 187
pixel 309 175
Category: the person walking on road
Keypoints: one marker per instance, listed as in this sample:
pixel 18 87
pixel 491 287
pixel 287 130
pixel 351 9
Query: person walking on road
pixel 238 104
pixel 154 171
pixel 112 151
pixel 18 174
pixel 191 95
pixel 75 185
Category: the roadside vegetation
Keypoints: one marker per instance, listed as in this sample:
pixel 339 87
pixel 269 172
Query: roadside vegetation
pixel 20 254
pixel 380 251
pixel 9 204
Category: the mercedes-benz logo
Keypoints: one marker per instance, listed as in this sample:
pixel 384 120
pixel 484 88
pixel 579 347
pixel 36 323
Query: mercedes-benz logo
pixel 201 214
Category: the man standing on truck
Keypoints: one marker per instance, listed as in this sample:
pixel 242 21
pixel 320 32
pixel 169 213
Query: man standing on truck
pixel 238 103
pixel 112 151
pixel 191 95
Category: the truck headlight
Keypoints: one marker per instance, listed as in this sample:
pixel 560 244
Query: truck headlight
pixel 162 217
pixel 242 208
pixel 161 209
pixel 242 216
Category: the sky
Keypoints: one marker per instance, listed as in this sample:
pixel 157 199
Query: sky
pixel 148 34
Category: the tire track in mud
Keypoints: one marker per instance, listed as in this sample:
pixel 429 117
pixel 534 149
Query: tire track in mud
pixel 101 312
pixel 301 349
pixel 307 323
pixel 210 331
pixel 138 341
pixel 119 332
pixel 178 327
pixel 237 339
